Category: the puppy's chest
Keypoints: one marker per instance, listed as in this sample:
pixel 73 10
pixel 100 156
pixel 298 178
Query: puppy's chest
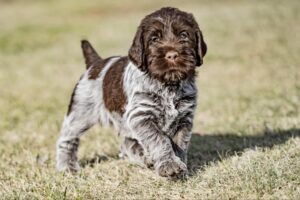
pixel 172 109
pixel 169 111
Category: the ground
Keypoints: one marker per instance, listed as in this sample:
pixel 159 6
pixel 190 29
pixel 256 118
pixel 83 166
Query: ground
pixel 246 142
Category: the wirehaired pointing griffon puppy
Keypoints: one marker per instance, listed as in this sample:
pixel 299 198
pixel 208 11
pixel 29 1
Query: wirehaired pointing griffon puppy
pixel 148 96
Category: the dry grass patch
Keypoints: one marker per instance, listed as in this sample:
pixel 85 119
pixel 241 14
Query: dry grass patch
pixel 246 142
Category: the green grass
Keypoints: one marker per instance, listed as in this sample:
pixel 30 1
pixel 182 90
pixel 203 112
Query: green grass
pixel 246 142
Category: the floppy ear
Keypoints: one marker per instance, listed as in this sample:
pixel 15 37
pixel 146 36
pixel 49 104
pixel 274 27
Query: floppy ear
pixel 201 47
pixel 136 51
pixel 89 53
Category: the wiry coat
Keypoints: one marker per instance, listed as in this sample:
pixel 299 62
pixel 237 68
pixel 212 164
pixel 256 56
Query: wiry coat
pixel 153 115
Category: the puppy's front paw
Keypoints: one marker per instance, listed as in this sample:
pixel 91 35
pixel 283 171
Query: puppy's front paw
pixel 173 168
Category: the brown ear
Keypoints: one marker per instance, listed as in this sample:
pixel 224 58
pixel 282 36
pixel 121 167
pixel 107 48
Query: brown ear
pixel 136 51
pixel 89 53
pixel 201 48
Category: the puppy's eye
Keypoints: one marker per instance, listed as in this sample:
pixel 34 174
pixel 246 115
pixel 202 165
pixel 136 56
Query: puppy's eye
pixel 183 35
pixel 154 38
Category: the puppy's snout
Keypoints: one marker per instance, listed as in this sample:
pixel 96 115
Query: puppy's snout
pixel 171 56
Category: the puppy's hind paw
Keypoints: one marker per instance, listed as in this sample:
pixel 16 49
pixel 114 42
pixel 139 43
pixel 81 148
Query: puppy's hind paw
pixel 72 167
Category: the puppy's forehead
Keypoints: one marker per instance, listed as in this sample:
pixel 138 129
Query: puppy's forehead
pixel 168 18
pixel 156 23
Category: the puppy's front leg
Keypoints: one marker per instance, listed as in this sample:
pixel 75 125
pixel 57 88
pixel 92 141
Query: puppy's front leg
pixel 181 138
pixel 181 142
pixel 158 146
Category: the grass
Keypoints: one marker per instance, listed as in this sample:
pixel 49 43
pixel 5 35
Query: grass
pixel 246 142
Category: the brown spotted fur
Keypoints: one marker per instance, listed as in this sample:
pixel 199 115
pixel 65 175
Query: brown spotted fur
pixel 113 92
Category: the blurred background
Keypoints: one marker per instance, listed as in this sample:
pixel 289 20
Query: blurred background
pixel 248 86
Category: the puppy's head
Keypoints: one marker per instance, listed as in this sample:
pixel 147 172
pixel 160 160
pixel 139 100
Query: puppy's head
pixel 168 45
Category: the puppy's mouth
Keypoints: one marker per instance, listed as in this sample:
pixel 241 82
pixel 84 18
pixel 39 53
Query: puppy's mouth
pixel 172 63
pixel 170 71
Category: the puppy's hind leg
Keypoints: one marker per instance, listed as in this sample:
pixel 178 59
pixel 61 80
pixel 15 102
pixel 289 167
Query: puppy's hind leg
pixel 83 114
pixel 68 143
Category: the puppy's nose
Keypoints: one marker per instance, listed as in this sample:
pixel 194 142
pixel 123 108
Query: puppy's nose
pixel 171 55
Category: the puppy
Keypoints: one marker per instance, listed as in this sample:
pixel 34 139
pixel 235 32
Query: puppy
pixel 149 96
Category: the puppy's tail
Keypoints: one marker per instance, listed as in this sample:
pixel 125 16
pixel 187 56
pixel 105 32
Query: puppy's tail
pixel 89 53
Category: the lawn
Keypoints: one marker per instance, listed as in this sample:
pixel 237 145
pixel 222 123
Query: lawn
pixel 246 141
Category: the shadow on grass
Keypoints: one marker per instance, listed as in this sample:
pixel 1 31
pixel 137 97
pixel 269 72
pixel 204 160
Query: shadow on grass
pixel 96 159
pixel 211 148
pixel 214 147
